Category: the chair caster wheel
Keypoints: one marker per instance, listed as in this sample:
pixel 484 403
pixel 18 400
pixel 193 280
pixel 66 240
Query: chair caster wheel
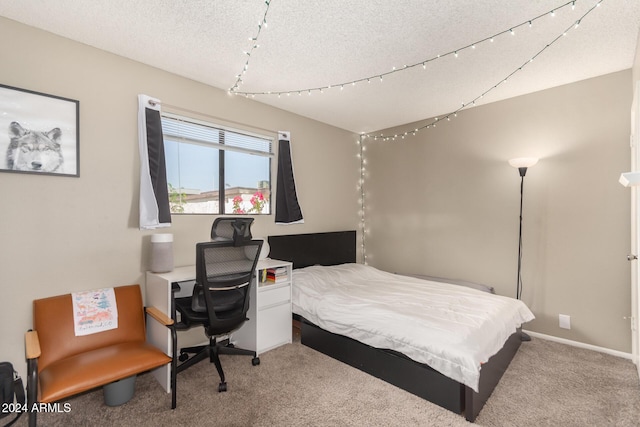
pixel 183 357
pixel 255 361
pixel 222 387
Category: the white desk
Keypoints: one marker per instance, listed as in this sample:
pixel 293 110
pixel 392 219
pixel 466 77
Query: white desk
pixel 269 324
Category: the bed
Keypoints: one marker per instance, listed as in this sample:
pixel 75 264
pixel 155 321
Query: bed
pixel 379 358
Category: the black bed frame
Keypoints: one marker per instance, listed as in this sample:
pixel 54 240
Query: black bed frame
pixel 334 248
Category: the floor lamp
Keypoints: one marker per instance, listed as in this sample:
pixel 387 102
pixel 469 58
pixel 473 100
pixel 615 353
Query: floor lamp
pixel 522 164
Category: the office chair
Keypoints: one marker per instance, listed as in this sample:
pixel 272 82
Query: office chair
pixel 220 300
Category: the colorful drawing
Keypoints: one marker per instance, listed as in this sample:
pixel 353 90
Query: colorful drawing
pixel 94 311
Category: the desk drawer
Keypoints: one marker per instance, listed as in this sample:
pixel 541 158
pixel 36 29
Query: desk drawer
pixel 274 327
pixel 271 296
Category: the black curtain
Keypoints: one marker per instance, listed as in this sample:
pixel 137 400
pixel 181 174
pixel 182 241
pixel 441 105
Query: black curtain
pixel 287 207
pixel 154 194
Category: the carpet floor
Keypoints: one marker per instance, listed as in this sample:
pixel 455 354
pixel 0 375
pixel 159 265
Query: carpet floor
pixel 547 384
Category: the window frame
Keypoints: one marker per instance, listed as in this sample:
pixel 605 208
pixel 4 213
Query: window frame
pixel 221 147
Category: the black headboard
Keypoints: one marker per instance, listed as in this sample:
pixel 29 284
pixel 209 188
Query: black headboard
pixel 332 248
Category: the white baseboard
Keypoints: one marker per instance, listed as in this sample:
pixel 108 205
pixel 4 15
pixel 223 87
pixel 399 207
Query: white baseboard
pixel 580 345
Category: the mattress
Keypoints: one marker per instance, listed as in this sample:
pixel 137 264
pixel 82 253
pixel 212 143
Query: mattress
pixel 453 329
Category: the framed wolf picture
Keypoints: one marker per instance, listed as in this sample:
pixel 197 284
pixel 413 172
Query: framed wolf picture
pixel 39 133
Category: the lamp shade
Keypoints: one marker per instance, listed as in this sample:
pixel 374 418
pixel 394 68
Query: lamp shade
pixel 523 162
pixel 630 179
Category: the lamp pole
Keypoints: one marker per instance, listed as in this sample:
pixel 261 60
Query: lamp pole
pixel 522 164
pixel 523 172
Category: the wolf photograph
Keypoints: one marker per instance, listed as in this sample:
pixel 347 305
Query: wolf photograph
pixel 34 151
pixel 38 133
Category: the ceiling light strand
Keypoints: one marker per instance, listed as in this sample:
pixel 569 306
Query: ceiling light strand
pixel 464 105
pixel 254 45
pixel 455 53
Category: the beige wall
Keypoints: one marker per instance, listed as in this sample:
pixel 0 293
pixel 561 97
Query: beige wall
pixel 62 234
pixel 636 63
pixel 446 203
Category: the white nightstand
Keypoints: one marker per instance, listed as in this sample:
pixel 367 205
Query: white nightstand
pixel 269 324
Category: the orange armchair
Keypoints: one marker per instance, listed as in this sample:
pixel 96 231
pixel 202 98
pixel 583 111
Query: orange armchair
pixel 61 364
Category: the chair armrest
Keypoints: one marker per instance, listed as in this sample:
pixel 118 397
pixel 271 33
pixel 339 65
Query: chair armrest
pixel 32 345
pixel 159 316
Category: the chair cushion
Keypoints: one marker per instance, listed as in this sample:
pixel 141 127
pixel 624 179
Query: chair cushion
pixel 226 303
pixel 188 317
pixel 95 368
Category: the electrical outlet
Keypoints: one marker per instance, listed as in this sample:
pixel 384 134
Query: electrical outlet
pixel 565 321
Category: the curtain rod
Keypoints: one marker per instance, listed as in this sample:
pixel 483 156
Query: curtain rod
pixel 154 102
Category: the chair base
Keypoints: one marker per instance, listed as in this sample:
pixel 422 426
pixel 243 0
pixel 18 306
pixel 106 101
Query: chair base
pixel 212 351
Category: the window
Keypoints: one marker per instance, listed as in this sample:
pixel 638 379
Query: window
pixel 214 170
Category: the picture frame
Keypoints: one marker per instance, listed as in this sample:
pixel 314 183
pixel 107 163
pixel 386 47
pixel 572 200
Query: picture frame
pixel 39 133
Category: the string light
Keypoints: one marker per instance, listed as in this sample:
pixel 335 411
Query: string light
pixel 235 88
pixel 511 30
pixel 473 102
pixel 255 45
pixel 362 197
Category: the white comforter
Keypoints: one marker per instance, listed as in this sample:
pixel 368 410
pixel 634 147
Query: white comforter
pixel 451 328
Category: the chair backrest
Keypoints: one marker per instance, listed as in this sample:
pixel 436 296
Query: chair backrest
pixel 235 229
pixel 53 320
pixel 224 271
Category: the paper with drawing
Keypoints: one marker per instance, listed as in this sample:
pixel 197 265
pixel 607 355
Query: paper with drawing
pixel 94 311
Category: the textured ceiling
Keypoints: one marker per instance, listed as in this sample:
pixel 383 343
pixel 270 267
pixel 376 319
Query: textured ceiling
pixel 317 44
